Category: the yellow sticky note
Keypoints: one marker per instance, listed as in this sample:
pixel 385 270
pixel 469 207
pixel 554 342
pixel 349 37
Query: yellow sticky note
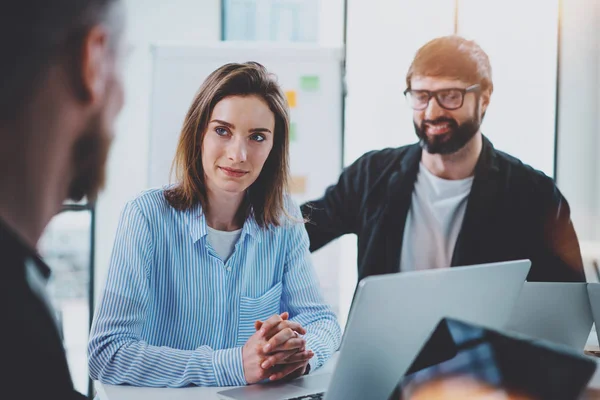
pixel 298 185
pixel 291 98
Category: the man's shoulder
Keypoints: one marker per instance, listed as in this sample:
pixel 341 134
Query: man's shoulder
pixel 388 154
pixel 525 178
pixel 522 170
pixel 385 161
pixel 372 172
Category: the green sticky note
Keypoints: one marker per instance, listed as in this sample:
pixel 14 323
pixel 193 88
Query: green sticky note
pixel 293 132
pixel 309 83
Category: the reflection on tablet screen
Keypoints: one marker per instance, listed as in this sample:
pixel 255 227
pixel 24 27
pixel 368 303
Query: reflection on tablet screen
pixel 465 361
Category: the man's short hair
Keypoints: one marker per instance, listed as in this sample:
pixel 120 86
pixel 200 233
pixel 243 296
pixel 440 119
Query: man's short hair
pixel 452 57
pixel 35 33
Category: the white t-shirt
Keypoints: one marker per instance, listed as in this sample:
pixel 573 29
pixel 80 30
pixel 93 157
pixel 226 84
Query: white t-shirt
pixel 434 221
pixel 223 242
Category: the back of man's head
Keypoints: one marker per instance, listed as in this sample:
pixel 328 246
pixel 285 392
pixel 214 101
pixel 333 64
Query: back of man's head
pixel 452 57
pixel 34 34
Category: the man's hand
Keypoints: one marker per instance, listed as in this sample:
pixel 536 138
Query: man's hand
pixel 285 349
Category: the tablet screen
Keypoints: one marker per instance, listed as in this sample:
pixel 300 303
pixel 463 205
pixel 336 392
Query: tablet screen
pixel 465 361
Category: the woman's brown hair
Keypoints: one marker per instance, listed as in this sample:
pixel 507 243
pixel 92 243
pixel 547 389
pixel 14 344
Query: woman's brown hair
pixel 265 197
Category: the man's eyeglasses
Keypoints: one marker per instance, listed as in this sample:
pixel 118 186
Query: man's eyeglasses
pixel 450 99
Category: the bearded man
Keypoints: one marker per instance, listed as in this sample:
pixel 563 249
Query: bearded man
pixel 451 199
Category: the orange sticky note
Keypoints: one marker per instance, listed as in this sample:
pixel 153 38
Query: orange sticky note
pixel 298 185
pixel 291 98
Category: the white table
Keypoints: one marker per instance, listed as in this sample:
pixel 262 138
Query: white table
pixel 112 392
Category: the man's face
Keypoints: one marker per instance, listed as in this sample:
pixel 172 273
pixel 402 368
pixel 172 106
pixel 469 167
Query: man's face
pixel 90 152
pixel 443 131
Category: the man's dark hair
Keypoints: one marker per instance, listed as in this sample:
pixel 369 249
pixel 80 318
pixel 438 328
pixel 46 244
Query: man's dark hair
pixel 36 33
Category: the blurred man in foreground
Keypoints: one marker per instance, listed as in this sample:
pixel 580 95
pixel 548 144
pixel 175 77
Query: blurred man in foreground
pixel 61 92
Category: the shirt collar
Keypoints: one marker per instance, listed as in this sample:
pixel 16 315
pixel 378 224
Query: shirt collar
pixel 196 222
pixel 251 227
pixel 197 225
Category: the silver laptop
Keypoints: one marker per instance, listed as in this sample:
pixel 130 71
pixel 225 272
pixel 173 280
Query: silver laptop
pixel 557 312
pixel 391 318
pixel 594 297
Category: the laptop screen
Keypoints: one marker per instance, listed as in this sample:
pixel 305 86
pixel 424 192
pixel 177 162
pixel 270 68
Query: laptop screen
pixel 461 360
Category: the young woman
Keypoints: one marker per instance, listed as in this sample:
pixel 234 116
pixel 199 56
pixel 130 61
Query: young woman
pixel 211 282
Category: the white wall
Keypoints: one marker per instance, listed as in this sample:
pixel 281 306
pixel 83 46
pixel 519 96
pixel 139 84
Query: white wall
pixel 596 34
pixel 579 107
pixel 521 117
pixel 149 21
pixel 331 23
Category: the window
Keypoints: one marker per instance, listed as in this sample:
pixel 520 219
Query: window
pixel 271 20
pixel 67 248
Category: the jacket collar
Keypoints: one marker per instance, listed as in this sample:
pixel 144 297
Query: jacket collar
pixel 482 203
pixel 15 252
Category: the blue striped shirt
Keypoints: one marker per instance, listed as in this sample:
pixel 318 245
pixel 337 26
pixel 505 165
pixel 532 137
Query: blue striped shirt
pixel 173 314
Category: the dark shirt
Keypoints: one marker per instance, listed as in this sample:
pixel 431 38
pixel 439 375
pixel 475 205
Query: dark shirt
pixel 33 357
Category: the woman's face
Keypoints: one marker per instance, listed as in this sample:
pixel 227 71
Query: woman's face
pixel 237 143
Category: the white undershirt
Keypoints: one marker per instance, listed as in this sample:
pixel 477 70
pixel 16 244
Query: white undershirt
pixel 434 221
pixel 223 242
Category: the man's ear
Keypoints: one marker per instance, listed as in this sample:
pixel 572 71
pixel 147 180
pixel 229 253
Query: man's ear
pixel 485 99
pixel 93 63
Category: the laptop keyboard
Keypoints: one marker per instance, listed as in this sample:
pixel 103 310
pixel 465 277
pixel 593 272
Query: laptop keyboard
pixel 316 396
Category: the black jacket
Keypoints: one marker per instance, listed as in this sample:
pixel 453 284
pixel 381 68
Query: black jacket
pixel 33 357
pixel 513 212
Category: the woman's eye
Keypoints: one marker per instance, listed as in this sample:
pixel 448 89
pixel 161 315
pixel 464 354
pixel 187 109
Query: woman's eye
pixel 221 131
pixel 258 138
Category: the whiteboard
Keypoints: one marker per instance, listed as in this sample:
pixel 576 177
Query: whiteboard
pixel 312 78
